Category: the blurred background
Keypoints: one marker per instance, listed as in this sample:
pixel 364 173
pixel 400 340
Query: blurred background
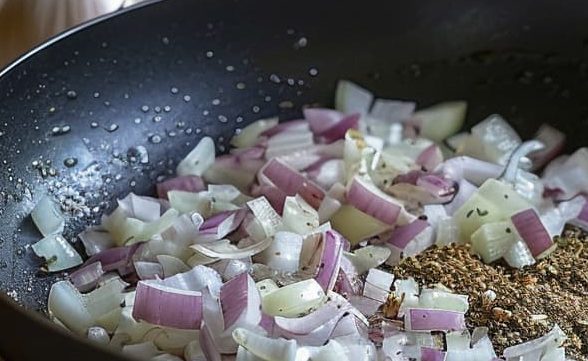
pixel 27 23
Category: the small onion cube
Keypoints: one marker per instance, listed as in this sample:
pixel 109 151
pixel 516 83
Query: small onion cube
pixel 240 302
pixel 432 354
pixel 403 235
pixel 369 199
pixel 86 278
pixel 422 319
pixel 47 217
pixel 189 183
pixel 529 226
pixel 168 307
pixel 199 159
pixel 59 254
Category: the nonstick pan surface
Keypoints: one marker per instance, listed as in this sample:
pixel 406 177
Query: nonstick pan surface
pixel 111 107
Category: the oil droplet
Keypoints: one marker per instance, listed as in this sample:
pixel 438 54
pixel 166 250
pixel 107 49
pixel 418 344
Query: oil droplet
pixel 239 119
pixel 209 54
pixel 157 118
pixel 274 78
pixel 137 120
pixel 291 81
pixel 188 131
pixel 52 110
pixel 112 128
pixel 240 85
pixel 145 108
pixel 70 162
pixel 180 124
pixel 157 109
pixel 230 68
pixel 174 90
pixel 267 98
pixel 187 98
pixel 256 109
pixel 167 108
pixel 286 104
pixel 96 95
pixel 215 101
pixel 223 119
pixel 205 112
pixel 313 71
pixel 155 139
pixel 138 154
pixel 94 125
pixel 72 94
pixel 301 43
pixel 165 40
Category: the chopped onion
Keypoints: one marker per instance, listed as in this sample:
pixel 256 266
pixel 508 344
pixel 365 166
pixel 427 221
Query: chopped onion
pixel 552 340
pixel 465 190
pixel 57 252
pixel 220 225
pixel 47 217
pixel 568 175
pixel 264 347
pixel 294 299
pixel 496 138
pixel 493 240
pixel 473 170
pixel 288 142
pixel 441 120
pixel 240 302
pixel 87 278
pixel 148 270
pixel 171 265
pixel 199 159
pixel 330 260
pixel 230 268
pixel 223 249
pixel 392 111
pixel 283 253
pixel 430 158
pixel 166 306
pixel 141 351
pixel 403 235
pixel 117 258
pixel 554 142
pixel 432 354
pixel 291 126
pixel 98 335
pixel 188 202
pixel 370 200
pixel 189 183
pixel 193 352
pixel 270 221
pixel 439 299
pixel 95 240
pixel 292 182
pixel 351 98
pixel 366 258
pixel 529 226
pixel 519 255
pixel 422 319
pixel 408 291
pixel 298 216
pixel 377 285
pixel 249 136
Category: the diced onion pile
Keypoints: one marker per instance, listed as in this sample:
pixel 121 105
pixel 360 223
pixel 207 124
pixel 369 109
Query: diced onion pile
pixel 271 252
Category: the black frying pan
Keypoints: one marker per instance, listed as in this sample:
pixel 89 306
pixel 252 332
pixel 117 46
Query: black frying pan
pixel 525 59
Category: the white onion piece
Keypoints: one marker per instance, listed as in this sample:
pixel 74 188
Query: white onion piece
pixel 220 225
pixel 47 217
pixel 366 258
pixel 497 138
pixel 230 268
pixel 283 253
pixel 98 335
pixel 473 170
pixel 441 120
pixel 298 216
pixel 199 259
pixel 244 355
pixel 288 142
pixel 95 240
pixel 184 229
pixel 171 265
pixel 199 159
pixel 145 209
pixel 330 172
pixel 567 175
pixel 295 299
pixel 552 340
pixel 392 111
pixel 329 206
pixel 249 135
pixel 193 352
pixel 267 216
pixel 512 168
pixel 127 230
pixel 223 249
pixel 408 291
pixel 369 199
pixel 493 240
pixel 264 347
pixel 57 252
pixel 529 227
pixel 150 250
pixel 86 278
pixel 166 357
pixel 519 255
pixel 189 183
pixel 447 232
pixel 422 319
pixel 141 351
pixel 188 202
pixel 351 98
pixel 438 299
pixel 148 270
pixel 377 285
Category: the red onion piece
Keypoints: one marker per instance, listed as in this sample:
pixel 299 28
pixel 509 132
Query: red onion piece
pixel 240 302
pixel 292 182
pixel 430 158
pixel 330 260
pixel 402 235
pixel 275 196
pixel 207 344
pixel 532 231
pixel 292 125
pixel 432 354
pixel 187 183
pixel 338 130
pixel 267 323
pixel 583 215
pixel 348 280
pixel 86 278
pixel 168 307
pixel 423 319
pixel 118 258
pixel 554 141
pixel 465 190
pixel 442 189
pixel 220 225
pixel 411 177
pixel 320 119
pixel 370 200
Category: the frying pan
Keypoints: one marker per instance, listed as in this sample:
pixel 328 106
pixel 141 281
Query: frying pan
pixel 76 112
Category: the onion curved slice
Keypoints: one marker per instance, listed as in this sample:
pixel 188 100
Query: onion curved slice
pixel 199 159
pixel 59 254
pixel 86 278
pixel 188 183
pixel 372 201
pixel 403 235
pixel 47 217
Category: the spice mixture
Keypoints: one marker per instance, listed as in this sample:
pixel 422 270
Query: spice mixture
pixel 516 305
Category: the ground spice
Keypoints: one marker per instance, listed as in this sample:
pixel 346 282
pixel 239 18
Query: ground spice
pixel 516 305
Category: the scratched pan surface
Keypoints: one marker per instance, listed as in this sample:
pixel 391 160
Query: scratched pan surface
pixel 111 107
